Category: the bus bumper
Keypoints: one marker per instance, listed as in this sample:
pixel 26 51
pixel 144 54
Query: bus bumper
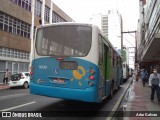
pixel 87 95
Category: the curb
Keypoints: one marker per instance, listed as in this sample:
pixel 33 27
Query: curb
pixel 2 87
pixel 116 106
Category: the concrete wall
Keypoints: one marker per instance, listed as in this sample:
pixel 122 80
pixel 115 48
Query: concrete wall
pixel 13 41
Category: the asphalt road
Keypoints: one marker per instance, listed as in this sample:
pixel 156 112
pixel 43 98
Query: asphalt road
pixel 20 100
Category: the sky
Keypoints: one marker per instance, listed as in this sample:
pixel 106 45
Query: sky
pixel 83 10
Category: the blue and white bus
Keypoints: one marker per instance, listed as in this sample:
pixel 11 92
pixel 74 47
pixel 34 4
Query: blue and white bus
pixel 125 72
pixel 74 61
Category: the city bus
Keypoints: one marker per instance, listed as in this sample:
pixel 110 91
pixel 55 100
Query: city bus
pixel 125 72
pixel 74 61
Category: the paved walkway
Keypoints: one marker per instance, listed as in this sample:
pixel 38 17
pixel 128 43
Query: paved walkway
pixel 139 102
pixel 2 86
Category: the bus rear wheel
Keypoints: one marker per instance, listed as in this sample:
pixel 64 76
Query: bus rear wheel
pixel 111 92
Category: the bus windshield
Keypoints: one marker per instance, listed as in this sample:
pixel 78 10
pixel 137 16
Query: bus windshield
pixel 64 40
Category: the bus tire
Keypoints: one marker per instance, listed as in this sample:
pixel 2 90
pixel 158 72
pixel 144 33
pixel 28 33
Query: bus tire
pixel 111 92
pixel 117 87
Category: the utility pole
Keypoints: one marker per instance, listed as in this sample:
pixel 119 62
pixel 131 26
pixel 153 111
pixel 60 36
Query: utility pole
pixel 31 31
pixel 135 44
pixel 136 64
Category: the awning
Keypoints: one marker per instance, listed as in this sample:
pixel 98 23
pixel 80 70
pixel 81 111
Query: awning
pixel 152 52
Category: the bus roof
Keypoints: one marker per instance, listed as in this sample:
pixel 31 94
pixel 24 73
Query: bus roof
pixel 65 23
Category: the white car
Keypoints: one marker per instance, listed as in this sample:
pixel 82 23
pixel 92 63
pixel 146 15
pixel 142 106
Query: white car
pixel 20 79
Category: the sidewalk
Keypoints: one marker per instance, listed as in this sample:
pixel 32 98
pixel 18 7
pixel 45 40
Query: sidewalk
pixel 2 86
pixel 139 101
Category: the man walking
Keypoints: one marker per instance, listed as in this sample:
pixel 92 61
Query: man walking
pixel 154 83
pixel 143 76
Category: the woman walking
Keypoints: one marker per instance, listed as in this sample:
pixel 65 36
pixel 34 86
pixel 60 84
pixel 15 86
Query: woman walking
pixel 154 83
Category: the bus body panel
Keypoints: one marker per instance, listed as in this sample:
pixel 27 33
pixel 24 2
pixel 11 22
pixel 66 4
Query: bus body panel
pixel 117 76
pixel 87 95
pixel 108 87
pixel 47 69
pixel 74 80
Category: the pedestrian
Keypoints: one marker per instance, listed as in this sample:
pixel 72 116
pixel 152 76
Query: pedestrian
pixel 5 79
pixel 147 77
pixel 143 76
pixel 154 83
pixel 138 75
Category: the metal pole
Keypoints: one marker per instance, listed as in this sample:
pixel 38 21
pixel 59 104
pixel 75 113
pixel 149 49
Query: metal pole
pixel 50 17
pixel 42 12
pixel 32 30
pixel 121 36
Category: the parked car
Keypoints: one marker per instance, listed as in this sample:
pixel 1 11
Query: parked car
pixel 20 79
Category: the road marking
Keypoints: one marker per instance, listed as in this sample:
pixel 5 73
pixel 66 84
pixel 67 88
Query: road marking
pixel 15 107
pixel 13 96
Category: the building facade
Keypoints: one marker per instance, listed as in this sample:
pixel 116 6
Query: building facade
pixel 115 29
pixel 149 35
pixel 104 24
pixel 112 26
pixel 15 30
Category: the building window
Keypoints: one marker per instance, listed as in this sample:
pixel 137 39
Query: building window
pixel 12 53
pixel 26 4
pixel 53 17
pixel 38 8
pixel 56 18
pixel 100 49
pixel 1 20
pixel 46 14
pixel 14 26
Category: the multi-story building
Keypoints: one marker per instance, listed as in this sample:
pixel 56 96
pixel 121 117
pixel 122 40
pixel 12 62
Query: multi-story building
pixel 115 29
pixel 112 26
pixel 15 30
pixel 104 24
pixel 149 35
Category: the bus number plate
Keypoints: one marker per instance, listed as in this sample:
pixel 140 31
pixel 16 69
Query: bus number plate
pixel 59 81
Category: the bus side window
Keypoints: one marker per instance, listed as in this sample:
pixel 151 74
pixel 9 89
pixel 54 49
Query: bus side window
pixel 112 58
pixel 100 49
pixel 115 59
pixel 120 62
pixel 117 63
pixel 124 66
